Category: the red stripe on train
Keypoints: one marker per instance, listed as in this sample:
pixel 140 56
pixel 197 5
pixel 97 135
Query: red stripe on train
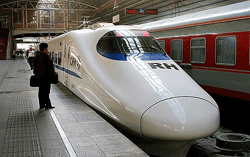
pixel 222 70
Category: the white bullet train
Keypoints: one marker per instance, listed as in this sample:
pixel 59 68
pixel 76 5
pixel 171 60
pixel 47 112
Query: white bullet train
pixel 124 73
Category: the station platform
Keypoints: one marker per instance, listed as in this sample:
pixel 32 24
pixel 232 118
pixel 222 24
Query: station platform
pixel 71 129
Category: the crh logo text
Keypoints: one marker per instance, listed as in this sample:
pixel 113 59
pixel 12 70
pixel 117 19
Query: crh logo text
pixel 162 66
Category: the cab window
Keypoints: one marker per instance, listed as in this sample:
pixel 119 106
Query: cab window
pixel 108 44
pixel 129 42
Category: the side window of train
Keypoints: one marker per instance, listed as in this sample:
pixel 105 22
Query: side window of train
pixel 64 50
pixel 59 58
pixel 162 43
pixel 56 55
pixel 226 50
pixel 198 50
pixel 69 53
pixel 72 61
pixel 52 56
pixel 177 50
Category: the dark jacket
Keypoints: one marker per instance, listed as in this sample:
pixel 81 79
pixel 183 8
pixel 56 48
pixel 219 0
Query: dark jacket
pixel 43 66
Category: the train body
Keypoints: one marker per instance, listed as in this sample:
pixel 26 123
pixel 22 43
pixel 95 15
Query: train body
pixel 122 72
pixel 215 42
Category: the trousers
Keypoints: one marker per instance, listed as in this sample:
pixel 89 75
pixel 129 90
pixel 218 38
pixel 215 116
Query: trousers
pixel 43 93
pixel 31 62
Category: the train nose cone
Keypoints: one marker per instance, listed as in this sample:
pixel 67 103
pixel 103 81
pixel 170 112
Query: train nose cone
pixel 182 118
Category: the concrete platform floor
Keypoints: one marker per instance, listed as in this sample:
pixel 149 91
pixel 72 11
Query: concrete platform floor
pixel 71 129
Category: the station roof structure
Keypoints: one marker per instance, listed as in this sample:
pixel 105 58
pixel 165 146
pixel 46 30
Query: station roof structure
pixel 60 16
pixel 230 12
pixel 104 10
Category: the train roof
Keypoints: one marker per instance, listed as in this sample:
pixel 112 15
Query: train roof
pixel 225 13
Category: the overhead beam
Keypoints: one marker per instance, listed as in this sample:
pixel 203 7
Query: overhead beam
pixel 72 1
pixel 64 2
pixel 15 2
pixel 107 3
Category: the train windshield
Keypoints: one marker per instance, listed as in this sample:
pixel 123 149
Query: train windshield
pixel 129 42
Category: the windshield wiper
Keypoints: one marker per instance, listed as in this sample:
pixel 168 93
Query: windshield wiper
pixel 155 48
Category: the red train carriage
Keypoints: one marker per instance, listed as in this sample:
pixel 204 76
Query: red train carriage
pixel 215 43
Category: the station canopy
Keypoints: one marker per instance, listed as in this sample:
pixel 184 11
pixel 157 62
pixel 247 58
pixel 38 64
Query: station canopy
pixel 85 12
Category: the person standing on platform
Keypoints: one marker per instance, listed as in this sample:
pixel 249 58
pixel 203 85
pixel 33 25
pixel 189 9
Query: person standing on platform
pixel 31 57
pixel 13 55
pixel 43 68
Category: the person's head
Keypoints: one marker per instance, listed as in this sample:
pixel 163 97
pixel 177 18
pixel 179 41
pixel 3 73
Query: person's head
pixel 43 47
pixel 30 48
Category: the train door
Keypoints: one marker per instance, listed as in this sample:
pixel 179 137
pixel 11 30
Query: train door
pixel 67 74
pixel 66 51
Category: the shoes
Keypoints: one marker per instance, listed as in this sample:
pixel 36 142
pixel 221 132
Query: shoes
pixel 51 107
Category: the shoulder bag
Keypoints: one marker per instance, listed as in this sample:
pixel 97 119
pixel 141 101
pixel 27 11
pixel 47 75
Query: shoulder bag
pixel 33 81
pixel 54 78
